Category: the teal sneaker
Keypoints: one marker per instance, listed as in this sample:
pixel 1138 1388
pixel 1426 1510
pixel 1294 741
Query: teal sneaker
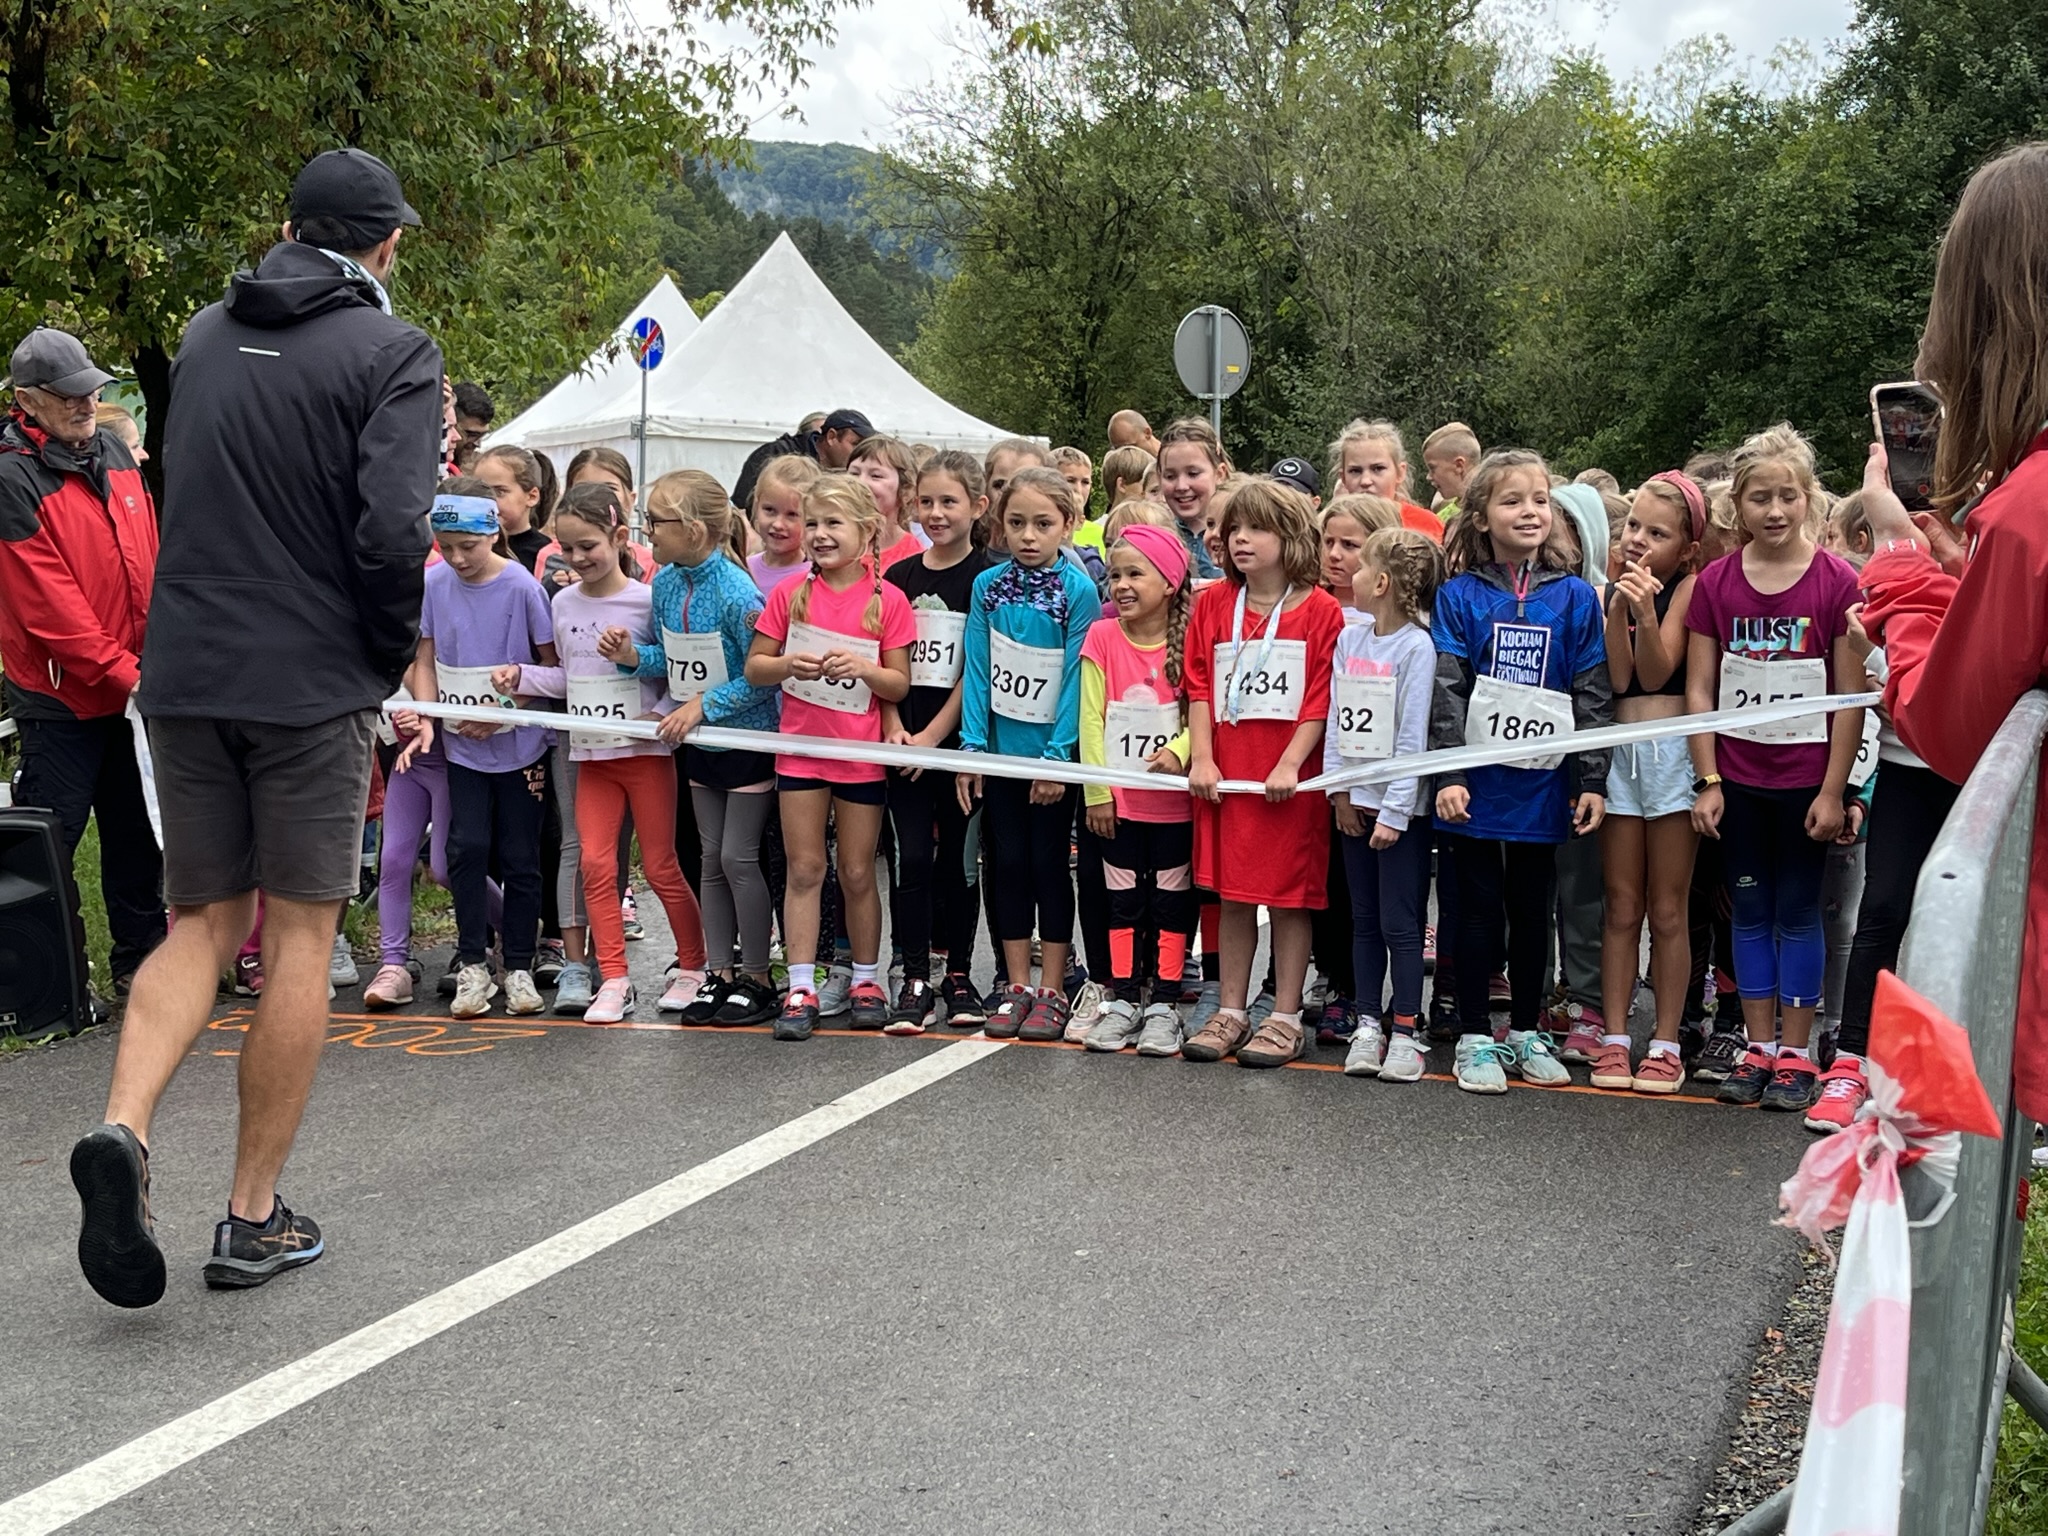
pixel 1481 1065
pixel 1535 1058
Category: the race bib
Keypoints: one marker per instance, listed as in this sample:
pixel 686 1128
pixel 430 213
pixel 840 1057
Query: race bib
pixel 1750 684
pixel 939 653
pixel 1273 692
pixel 387 732
pixel 471 688
pixel 1364 717
pixel 1866 751
pixel 603 698
pixel 1024 680
pixel 696 664
pixel 1512 714
pixel 1133 731
pixel 849 695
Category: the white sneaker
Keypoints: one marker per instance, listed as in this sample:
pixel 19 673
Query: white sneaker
pixel 1088 1005
pixel 682 991
pixel 1115 1027
pixel 1535 1060
pixel 341 970
pixel 474 990
pixel 1481 1065
pixel 521 995
pixel 836 995
pixel 1368 1049
pixel 615 1001
pixel 1405 1061
pixel 1163 1030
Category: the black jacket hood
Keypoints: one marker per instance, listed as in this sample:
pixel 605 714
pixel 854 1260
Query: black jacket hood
pixel 292 285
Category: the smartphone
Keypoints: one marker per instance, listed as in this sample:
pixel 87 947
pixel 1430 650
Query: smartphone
pixel 1908 420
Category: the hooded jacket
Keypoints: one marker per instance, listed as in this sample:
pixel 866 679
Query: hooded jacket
pixel 1589 520
pixel 77 548
pixel 301 449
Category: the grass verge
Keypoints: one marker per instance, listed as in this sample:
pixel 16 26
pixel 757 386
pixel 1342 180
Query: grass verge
pixel 2019 1491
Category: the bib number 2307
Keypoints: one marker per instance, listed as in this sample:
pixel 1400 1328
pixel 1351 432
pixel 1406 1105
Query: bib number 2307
pixel 1024 680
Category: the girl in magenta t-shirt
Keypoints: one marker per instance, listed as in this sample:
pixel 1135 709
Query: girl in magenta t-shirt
pixel 835 642
pixel 1770 622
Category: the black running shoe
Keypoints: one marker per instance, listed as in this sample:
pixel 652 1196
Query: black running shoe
pixel 1794 1086
pixel 245 1254
pixel 1720 1056
pixel 1045 1019
pixel 799 1016
pixel 747 1002
pixel 916 1007
pixel 1444 1025
pixel 703 1009
pixel 117 1246
pixel 963 1008
pixel 1746 1084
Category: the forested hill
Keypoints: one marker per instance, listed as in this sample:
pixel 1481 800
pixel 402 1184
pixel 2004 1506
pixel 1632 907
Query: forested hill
pixel 789 181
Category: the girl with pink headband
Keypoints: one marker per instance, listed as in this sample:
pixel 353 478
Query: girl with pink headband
pixel 1134 716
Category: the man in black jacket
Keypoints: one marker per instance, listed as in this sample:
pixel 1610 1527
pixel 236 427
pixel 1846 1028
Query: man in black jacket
pixel 301 449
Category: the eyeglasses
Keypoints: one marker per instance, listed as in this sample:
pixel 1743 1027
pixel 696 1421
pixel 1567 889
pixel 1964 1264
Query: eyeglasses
pixel 666 522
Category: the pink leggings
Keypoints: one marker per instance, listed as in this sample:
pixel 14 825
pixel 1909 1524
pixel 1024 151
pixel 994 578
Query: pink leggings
pixel 604 791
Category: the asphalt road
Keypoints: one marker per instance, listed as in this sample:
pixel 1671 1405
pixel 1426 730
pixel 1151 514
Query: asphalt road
pixel 1049 1292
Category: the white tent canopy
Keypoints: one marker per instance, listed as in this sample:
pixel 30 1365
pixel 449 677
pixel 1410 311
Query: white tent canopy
pixel 776 348
pixel 607 372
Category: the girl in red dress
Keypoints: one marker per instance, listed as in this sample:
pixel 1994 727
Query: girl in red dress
pixel 1258 688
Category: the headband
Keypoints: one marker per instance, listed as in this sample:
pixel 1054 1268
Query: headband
pixel 1695 499
pixel 1162 548
pixel 464 514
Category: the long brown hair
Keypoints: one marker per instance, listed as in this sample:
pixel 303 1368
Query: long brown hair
pixel 605 460
pixel 1985 349
pixel 1260 502
pixel 598 504
pixel 1468 546
pixel 533 472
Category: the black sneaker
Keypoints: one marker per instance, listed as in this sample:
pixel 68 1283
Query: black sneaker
pixel 548 962
pixel 1794 1086
pixel 246 1255
pixel 1746 1084
pixel 1045 1019
pixel 1444 1025
pixel 1720 1056
pixel 916 1008
pixel 1006 1017
pixel 703 1010
pixel 963 1008
pixel 799 1016
pixel 117 1246
pixel 867 1005
pixel 746 1002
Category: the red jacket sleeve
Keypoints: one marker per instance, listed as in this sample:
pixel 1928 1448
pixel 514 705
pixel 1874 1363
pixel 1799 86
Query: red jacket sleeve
pixel 1961 651
pixel 47 602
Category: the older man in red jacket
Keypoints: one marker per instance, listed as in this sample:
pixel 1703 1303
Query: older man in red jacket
pixel 77 557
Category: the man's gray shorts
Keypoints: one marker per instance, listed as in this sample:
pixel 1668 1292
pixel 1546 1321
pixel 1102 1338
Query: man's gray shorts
pixel 275 807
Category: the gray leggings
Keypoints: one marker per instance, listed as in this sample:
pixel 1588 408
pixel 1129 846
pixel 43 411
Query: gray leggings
pixel 735 891
pixel 569 872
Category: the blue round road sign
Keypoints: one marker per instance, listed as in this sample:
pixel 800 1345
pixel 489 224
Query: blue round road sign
pixel 647 342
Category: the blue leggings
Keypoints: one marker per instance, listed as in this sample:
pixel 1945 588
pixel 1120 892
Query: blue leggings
pixel 1389 894
pixel 1774 882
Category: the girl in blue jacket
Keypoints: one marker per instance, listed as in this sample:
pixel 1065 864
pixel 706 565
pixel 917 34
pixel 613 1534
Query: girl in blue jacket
pixel 1025 626
pixel 705 605
pixel 1520 658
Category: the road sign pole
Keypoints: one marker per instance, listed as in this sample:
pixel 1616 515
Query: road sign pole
pixel 1215 368
pixel 640 473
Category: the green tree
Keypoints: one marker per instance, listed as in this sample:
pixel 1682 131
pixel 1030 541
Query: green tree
pixel 148 149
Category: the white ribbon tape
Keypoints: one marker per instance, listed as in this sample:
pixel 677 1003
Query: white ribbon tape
pixel 1450 760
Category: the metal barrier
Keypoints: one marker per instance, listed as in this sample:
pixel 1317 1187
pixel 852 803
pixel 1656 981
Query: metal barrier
pixel 1963 952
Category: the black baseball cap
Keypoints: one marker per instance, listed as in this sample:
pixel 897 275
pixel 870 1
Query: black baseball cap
pixel 356 190
pixel 841 421
pixel 55 361
pixel 1298 473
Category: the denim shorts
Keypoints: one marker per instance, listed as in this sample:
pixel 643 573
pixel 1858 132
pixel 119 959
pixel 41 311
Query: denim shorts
pixel 1651 779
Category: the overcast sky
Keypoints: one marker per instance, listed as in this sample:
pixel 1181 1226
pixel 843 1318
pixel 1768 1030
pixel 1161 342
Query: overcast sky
pixel 889 45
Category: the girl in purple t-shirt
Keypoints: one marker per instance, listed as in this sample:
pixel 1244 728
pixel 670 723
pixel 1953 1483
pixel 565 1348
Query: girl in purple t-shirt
pixel 1768 623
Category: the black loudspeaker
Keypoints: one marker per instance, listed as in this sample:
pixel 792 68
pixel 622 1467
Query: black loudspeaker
pixel 42 965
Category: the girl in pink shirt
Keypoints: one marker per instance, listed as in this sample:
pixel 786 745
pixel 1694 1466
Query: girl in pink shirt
pixel 835 642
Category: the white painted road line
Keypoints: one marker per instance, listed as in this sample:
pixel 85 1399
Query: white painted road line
pixel 146 1458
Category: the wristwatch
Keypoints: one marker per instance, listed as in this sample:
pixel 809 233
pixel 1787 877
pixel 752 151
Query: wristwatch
pixel 1704 783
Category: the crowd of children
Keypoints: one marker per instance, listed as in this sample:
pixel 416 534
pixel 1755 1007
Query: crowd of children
pixel 1229 630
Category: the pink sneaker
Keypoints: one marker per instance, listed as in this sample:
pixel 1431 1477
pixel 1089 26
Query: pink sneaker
pixel 682 991
pixel 1660 1072
pixel 1843 1088
pixel 1582 1028
pixel 1611 1068
pixel 615 999
pixel 390 988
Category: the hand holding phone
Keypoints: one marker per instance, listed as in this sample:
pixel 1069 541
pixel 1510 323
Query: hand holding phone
pixel 1907 417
